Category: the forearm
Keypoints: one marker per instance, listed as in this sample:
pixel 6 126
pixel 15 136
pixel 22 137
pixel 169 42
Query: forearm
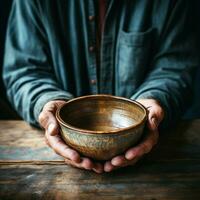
pixel 28 72
pixel 173 90
pixel 173 65
pixel 29 97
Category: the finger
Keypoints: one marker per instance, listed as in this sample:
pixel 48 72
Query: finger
pixel 139 150
pixel 52 106
pixel 48 121
pixel 47 117
pixel 124 164
pixel 62 149
pixel 118 160
pixel 73 164
pixel 155 112
pixel 152 122
pixel 154 118
pixel 84 164
pixel 47 114
pixel 108 167
pixel 121 161
pixel 144 147
pixel 53 128
pixel 98 168
pixel 88 164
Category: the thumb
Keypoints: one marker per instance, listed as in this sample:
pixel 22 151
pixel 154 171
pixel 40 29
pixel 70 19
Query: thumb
pixel 52 126
pixel 155 117
pixel 153 123
pixel 155 113
pixel 48 120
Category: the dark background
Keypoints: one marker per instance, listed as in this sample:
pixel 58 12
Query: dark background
pixel 6 111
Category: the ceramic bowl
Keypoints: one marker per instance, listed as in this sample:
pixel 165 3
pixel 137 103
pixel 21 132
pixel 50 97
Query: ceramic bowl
pixel 101 126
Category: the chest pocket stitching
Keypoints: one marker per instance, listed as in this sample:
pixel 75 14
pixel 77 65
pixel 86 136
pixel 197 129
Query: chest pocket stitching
pixel 132 58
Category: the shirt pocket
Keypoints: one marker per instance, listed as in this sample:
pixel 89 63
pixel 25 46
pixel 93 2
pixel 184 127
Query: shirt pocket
pixel 132 59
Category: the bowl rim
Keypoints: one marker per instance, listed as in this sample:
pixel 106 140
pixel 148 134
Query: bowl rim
pixel 119 130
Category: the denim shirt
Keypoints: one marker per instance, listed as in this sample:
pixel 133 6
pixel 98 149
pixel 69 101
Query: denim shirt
pixel 148 50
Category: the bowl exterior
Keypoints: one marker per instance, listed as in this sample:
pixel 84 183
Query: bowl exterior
pixel 102 146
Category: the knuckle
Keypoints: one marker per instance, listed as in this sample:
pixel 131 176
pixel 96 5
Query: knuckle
pixel 43 118
pixel 50 106
pixel 70 153
pixel 73 153
pixel 160 112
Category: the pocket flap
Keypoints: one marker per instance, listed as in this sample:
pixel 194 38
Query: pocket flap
pixel 135 38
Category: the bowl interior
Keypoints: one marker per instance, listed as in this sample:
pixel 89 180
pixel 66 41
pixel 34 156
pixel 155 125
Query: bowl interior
pixel 101 113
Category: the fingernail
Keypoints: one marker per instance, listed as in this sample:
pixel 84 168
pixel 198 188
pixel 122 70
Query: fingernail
pixel 51 128
pixel 129 156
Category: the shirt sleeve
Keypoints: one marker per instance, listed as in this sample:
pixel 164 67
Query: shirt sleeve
pixel 171 73
pixel 28 73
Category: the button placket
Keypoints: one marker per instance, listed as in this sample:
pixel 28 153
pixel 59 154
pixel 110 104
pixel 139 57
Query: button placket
pixel 107 66
pixel 91 18
pixel 91 48
pixel 106 81
pixel 93 81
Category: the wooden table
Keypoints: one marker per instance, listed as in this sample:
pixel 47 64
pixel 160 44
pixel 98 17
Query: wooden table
pixel 31 170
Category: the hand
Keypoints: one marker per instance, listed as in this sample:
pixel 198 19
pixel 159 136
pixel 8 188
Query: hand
pixel 48 121
pixel 132 155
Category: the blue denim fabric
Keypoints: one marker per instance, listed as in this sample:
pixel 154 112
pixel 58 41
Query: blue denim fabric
pixel 148 50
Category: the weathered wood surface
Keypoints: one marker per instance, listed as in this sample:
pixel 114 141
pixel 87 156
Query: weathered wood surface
pixel 30 170
pixel 19 141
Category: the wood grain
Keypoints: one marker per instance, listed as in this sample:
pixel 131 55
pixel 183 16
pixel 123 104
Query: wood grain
pixel 20 141
pixel 171 171
pixel 61 182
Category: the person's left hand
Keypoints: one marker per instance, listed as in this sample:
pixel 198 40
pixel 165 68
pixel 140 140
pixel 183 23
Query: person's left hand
pixel 132 155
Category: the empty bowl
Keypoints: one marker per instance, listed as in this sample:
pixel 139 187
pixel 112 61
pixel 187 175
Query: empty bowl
pixel 101 126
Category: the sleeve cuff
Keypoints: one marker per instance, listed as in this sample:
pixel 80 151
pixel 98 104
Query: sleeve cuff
pixel 163 100
pixel 49 96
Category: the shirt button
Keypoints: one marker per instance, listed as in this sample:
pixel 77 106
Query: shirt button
pixel 91 17
pixel 91 48
pixel 93 81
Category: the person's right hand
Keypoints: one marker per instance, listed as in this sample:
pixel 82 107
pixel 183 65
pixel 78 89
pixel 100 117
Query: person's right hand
pixel 48 121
